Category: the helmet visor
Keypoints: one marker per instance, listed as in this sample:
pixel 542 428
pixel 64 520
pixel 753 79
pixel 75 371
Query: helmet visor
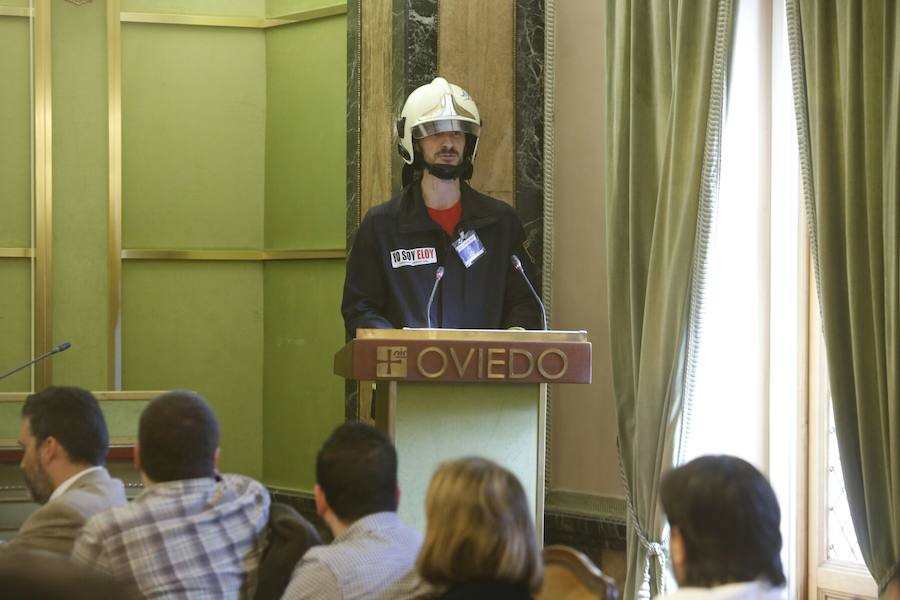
pixel 440 126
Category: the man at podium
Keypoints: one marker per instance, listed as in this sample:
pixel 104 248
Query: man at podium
pixel 440 254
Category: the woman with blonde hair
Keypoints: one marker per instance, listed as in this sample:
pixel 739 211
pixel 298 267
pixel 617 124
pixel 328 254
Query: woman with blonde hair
pixel 480 540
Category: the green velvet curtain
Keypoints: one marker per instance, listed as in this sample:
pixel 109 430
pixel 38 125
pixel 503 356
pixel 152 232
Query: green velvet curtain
pixel 666 70
pixel 845 56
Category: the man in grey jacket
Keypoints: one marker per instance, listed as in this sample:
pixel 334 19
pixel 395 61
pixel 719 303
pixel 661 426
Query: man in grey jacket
pixel 64 443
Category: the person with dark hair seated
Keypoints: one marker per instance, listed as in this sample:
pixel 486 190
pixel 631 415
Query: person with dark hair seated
pixel 192 533
pixel 480 542
pixel 64 442
pixel 356 495
pixel 725 541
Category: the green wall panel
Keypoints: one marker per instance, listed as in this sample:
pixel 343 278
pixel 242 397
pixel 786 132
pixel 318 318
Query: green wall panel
pixel 275 8
pixel 15 323
pixel 306 135
pixel 15 133
pixel 16 3
pixel 304 400
pixel 199 325
pixel 122 416
pixel 9 422
pixel 223 8
pixel 80 178
pixel 193 136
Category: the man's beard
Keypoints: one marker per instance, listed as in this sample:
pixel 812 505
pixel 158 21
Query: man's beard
pixel 446 171
pixel 39 484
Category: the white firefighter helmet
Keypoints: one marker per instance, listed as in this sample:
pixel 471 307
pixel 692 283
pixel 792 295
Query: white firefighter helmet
pixel 433 108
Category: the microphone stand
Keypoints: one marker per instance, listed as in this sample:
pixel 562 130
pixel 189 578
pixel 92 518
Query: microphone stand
pixel 61 348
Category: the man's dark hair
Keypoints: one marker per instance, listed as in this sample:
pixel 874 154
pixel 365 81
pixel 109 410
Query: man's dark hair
pixel 178 436
pixel 357 469
pixel 729 519
pixel 72 416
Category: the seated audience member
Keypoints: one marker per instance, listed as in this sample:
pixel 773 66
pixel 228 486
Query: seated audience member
pixel 64 444
pixel 38 575
pixel 725 539
pixel 480 541
pixel 356 495
pixel 192 533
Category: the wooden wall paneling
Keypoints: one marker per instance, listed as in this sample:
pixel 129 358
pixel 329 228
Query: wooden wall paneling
pixel 376 111
pixel 476 39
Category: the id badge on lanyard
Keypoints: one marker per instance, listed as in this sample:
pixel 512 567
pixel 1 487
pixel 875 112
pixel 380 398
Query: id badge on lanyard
pixel 468 247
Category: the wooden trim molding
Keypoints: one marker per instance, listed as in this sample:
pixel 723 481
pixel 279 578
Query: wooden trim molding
pixel 114 210
pixel 101 396
pixel 16 253
pixel 241 255
pixel 116 454
pixel 238 22
pixel 43 194
pixel 16 11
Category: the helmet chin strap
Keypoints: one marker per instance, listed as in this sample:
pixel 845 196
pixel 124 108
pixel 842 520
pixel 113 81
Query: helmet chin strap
pixel 447 172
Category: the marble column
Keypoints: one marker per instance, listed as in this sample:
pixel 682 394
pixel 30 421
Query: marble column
pixel 529 85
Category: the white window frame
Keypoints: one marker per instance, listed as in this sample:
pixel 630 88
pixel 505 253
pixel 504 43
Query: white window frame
pixel 828 578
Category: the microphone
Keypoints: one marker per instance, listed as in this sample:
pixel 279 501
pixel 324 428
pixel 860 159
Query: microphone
pixel 61 348
pixel 437 279
pixel 517 265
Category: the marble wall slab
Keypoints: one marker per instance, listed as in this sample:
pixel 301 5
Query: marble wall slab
pixel 353 114
pixel 419 23
pixel 529 126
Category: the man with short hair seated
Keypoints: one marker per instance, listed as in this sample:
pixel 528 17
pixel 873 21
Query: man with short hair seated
pixel 356 495
pixel 192 533
pixel 725 541
pixel 64 443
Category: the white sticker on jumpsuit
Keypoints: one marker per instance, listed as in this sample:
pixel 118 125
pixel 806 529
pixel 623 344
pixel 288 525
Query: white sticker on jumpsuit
pixel 412 257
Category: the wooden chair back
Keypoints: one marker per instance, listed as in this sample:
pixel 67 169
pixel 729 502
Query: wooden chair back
pixel 570 575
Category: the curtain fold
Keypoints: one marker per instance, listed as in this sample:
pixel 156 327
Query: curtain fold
pixel 666 69
pixel 845 58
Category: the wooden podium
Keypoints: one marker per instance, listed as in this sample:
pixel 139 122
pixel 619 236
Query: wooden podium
pixel 447 393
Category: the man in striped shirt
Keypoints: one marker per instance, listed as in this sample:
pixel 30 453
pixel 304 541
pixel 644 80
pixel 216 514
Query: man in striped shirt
pixel 192 533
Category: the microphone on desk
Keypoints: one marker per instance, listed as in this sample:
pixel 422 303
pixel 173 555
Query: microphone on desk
pixel 517 265
pixel 437 279
pixel 61 348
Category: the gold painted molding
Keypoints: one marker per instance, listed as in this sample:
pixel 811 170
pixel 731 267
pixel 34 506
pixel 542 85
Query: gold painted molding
pixel 43 194
pixel 239 22
pixel 16 252
pixel 15 11
pixel 114 198
pixel 102 396
pixel 246 255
